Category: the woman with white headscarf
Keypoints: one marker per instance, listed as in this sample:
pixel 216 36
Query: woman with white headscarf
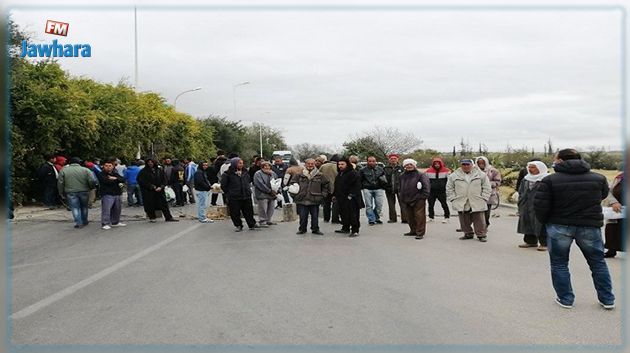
pixel 533 231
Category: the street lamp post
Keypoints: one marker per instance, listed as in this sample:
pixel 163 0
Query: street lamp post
pixel 234 94
pixel 190 90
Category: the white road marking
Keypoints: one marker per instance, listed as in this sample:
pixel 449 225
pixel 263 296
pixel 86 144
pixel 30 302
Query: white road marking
pixel 31 309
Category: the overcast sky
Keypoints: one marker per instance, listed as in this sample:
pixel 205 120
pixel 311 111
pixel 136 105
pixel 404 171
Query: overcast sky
pixel 495 77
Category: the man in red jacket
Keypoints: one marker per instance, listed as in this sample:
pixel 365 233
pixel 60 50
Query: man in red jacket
pixel 438 175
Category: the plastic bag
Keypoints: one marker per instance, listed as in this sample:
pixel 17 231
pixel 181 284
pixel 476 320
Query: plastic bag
pixel 275 184
pixel 419 185
pixel 169 192
pixel 279 198
pixel 216 188
pixel 294 188
pixel 185 188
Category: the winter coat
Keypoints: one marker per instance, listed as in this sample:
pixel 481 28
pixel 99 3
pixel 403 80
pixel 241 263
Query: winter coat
pixel 178 175
pixel 234 186
pixel 75 178
pixel 291 172
pixel 202 183
pixel 151 178
pixel 373 178
pixel 329 170
pixel 313 190
pixel 476 192
pixel 131 175
pixel 107 186
pixel 189 171
pixel 527 221
pixel 252 170
pixel 47 174
pixel 409 192
pixel 212 174
pixel 392 175
pixel 168 172
pixel 495 180
pixel 262 185
pixel 438 177
pixel 348 185
pixel 572 196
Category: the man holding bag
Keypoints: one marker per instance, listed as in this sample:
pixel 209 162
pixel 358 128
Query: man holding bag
pixel 414 191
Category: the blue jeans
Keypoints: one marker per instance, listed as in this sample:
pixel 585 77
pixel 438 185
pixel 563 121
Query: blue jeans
pixel 589 240
pixel 78 203
pixel 202 203
pixel 134 195
pixel 304 211
pixel 373 209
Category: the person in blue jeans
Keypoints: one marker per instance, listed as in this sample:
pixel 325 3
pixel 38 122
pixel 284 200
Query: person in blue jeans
pixel 569 204
pixel 202 186
pixel 74 184
pixel 373 181
pixel 134 196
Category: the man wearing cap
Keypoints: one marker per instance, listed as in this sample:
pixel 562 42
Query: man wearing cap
pixel 468 189
pixel 393 171
pixel 414 191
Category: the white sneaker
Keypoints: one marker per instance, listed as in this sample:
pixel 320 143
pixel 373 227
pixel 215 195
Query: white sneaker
pixel 445 220
pixel 607 306
pixel 119 225
pixel 106 227
pixel 207 220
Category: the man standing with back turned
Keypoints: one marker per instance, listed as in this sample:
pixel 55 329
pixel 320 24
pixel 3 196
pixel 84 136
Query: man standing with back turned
pixel 569 204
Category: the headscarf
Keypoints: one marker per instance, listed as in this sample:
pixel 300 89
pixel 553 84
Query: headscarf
pixel 410 161
pixel 485 159
pixel 542 168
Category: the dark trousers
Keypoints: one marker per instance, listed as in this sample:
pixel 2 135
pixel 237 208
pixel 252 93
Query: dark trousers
pixel 244 206
pixel 416 216
pixel 441 196
pixel 155 201
pixel 50 195
pixel 215 197
pixel 191 194
pixel 391 204
pixel 331 210
pixel 179 194
pixel 533 239
pixel 468 220
pixel 487 215
pixel 304 211
pixel 349 212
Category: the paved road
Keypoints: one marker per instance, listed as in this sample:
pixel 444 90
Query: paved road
pixel 192 283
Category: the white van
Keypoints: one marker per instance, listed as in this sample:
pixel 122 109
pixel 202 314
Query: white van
pixel 286 155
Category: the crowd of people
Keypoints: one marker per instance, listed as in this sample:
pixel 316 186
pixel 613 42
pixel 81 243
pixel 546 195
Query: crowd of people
pixel 554 209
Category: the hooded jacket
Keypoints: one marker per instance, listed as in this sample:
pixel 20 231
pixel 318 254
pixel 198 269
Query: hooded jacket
pixel 572 196
pixel 348 184
pixel 151 178
pixel 494 176
pixel 314 187
pixel 236 187
pixel 438 177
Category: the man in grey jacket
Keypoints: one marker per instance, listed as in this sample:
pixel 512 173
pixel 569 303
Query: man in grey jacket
pixel 265 196
pixel 468 189
pixel 74 184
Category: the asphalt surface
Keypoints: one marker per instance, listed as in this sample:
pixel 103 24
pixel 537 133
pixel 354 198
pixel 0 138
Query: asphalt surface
pixel 203 284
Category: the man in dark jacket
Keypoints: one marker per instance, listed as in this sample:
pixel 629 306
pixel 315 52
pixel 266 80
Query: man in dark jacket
pixel 110 185
pixel 279 167
pixel 152 182
pixel 438 176
pixel 202 186
pixel 216 166
pixel 393 171
pixel 414 190
pixel 235 183
pixel 314 187
pixel 372 182
pixel 47 175
pixel 348 196
pixel 569 204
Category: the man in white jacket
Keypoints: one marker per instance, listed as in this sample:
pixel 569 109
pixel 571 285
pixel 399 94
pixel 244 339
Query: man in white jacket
pixel 468 189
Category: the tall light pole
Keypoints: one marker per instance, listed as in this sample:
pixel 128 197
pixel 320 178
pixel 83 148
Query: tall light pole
pixel 190 90
pixel 234 94
pixel 135 46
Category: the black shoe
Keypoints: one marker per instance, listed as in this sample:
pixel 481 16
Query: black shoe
pixel 483 239
pixel 172 220
pixel 239 229
pixel 378 221
pixel 410 234
pixel 255 227
pixel 372 223
pixel 213 204
pixel 272 224
pixel 342 231
pixel 352 235
pixel 77 226
pixel 465 237
pixel 419 237
pixel 610 254
pixel 391 221
pixel 317 232
pixel 300 232
pixel 326 221
pixel 335 222
pixel 458 230
pixel 403 222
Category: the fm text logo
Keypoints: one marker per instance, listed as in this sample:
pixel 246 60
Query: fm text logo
pixel 57 28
